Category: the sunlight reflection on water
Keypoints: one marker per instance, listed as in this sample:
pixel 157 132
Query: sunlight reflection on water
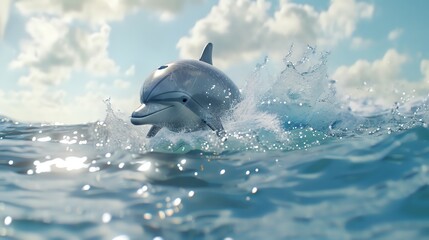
pixel 69 164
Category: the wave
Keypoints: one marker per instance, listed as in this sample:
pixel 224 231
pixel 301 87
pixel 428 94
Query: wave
pixel 200 195
pixel 295 108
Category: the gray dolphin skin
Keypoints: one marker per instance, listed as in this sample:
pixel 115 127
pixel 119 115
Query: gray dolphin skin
pixel 186 96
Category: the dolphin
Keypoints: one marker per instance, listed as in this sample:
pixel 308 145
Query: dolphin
pixel 186 96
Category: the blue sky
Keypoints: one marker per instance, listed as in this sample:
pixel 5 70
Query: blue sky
pixel 59 59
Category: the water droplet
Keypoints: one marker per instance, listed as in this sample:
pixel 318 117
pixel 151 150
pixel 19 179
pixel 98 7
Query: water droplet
pixel 44 139
pixel 191 194
pixel 147 216
pixel 121 237
pixel 177 202
pixel 106 217
pixel 169 212
pixel 161 215
pixel 7 220
pixel 144 167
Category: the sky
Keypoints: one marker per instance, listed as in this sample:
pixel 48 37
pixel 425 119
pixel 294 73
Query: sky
pixel 59 59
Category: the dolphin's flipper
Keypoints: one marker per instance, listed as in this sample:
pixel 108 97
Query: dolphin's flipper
pixel 206 56
pixel 153 131
pixel 213 122
pixel 216 125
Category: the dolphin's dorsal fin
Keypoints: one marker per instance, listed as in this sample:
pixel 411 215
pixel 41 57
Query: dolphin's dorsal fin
pixel 206 56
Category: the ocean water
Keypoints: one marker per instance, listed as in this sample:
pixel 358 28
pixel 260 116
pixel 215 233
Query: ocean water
pixel 298 164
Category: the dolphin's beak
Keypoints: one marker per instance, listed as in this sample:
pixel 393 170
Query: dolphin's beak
pixel 145 113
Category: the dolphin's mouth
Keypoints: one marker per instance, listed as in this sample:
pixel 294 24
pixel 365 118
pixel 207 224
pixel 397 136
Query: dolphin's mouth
pixel 145 110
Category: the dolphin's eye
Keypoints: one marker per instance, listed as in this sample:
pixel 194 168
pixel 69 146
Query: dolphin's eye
pixel 162 67
pixel 184 99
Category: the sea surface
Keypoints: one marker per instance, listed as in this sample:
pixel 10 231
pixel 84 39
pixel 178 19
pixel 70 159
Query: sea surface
pixel 298 164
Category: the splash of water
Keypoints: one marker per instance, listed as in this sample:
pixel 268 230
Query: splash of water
pixel 115 132
pixel 295 109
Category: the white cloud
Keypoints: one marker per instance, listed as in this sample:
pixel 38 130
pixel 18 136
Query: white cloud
pixel 381 80
pixel 235 27
pixel 130 71
pixel 340 20
pixel 172 6
pixel 56 49
pixel 4 16
pixel 100 11
pixel 66 37
pixel 291 23
pixel 96 86
pixel 242 29
pixel 54 105
pixel 424 68
pixel 121 84
pixel 27 105
pixel 395 34
pixel 383 70
pixel 359 43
